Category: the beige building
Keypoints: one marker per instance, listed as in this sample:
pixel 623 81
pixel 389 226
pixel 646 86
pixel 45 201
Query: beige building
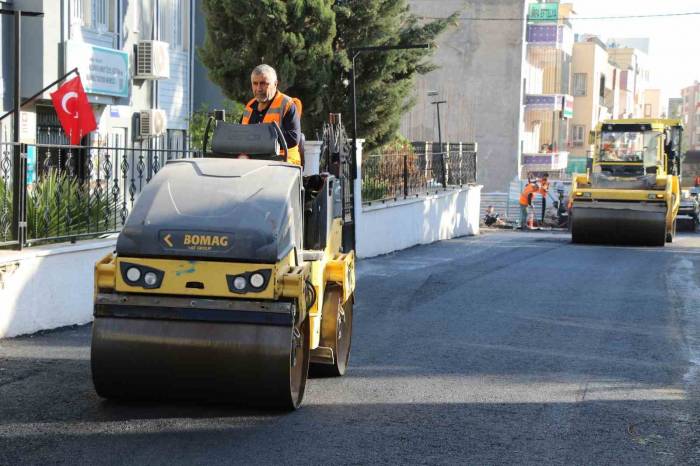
pixel 652 104
pixel 633 80
pixel 594 90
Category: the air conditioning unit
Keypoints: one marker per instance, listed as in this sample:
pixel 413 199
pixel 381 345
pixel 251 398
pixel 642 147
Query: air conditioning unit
pixel 152 123
pixel 152 60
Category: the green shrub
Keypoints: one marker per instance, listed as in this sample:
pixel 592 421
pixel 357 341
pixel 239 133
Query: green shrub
pixel 374 189
pixel 60 205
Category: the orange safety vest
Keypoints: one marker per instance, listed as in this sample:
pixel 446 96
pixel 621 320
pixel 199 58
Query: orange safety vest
pixel 278 108
pixel 529 189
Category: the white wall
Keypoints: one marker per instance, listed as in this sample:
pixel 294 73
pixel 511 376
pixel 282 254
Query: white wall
pixel 399 225
pixel 48 287
pixel 383 228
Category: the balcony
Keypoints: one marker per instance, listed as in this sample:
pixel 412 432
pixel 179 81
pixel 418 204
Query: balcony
pixel 550 35
pixel 545 161
pixel 550 102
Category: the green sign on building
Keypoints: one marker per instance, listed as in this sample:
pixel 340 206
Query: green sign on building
pixel 541 12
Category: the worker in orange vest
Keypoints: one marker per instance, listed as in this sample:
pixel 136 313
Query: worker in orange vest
pixel 270 105
pixel 526 201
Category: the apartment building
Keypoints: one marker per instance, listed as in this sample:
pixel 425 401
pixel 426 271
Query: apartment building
pixel 594 91
pixel 653 104
pixel 548 103
pixel 691 115
pixel 633 81
pixel 675 107
pixel 134 59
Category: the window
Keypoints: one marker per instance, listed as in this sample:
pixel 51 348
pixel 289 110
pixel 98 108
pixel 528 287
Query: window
pixel 647 110
pixel 579 135
pixel 98 15
pixel 580 84
pixel 697 119
pixel 173 19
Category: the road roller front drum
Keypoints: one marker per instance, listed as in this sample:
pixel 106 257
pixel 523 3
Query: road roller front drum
pixel 256 364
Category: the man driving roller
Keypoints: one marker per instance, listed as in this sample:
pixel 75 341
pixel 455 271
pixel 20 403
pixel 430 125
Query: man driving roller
pixel 270 105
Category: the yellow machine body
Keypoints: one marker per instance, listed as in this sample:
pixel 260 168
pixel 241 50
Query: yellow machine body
pixel 631 191
pixel 328 268
pixel 229 282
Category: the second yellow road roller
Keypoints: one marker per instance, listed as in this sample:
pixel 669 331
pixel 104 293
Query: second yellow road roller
pixel 231 277
pixel 631 191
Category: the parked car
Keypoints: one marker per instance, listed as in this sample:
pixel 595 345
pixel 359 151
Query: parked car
pixel 689 210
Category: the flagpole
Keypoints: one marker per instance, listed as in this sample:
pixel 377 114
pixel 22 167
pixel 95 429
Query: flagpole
pixel 30 99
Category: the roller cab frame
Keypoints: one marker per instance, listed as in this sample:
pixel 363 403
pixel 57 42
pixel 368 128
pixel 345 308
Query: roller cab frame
pixel 630 193
pixel 229 281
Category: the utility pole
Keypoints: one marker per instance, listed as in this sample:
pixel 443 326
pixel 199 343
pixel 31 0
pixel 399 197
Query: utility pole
pixel 442 153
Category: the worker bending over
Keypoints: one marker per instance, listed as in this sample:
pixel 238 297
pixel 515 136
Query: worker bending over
pixel 526 197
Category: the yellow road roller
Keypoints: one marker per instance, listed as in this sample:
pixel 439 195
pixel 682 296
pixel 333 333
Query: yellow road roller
pixel 230 279
pixel 631 191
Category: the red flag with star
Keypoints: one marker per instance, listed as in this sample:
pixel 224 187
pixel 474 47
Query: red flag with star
pixel 73 109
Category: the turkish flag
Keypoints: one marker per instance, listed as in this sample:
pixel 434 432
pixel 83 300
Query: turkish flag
pixel 73 110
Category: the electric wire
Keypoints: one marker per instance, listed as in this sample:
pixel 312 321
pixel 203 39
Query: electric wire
pixel 524 18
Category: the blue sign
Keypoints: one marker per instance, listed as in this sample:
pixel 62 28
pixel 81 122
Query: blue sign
pixel 31 164
pixel 102 70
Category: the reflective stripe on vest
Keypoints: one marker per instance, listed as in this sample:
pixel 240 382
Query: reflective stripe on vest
pixel 275 112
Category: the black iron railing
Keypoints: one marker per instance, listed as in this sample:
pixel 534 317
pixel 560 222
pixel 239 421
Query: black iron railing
pixel 72 192
pixel 416 170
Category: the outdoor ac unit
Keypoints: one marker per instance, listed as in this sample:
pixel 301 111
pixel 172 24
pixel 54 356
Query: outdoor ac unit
pixel 152 123
pixel 152 60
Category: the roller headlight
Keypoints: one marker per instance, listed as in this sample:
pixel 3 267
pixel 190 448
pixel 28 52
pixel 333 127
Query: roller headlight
pixel 257 280
pixel 133 274
pixel 240 283
pixel 150 278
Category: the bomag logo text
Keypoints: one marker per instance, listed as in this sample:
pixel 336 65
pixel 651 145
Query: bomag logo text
pixel 206 240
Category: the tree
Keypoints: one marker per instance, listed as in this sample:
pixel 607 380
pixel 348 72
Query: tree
pixel 384 79
pixel 308 42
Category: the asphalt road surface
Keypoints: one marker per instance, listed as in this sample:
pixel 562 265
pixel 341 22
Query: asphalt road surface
pixel 516 348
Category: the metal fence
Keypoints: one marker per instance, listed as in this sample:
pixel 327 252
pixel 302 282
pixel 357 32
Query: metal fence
pixel 417 170
pixel 63 192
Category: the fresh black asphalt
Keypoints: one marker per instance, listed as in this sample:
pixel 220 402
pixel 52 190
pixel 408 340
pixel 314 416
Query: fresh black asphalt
pixel 505 348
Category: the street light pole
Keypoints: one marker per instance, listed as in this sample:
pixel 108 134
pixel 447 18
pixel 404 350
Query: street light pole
pixel 442 153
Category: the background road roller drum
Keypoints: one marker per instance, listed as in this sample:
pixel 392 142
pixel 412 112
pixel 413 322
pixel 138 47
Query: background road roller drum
pixel 610 223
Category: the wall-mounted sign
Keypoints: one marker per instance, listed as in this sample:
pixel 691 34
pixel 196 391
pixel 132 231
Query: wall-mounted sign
pixel 544 34
pixel 31 164
pixel 27 127
pixel 542 102
pixel 540 12
pixel 103 71
pixel 568 110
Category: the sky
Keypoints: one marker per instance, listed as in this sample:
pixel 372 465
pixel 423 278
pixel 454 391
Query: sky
pixel 674 49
